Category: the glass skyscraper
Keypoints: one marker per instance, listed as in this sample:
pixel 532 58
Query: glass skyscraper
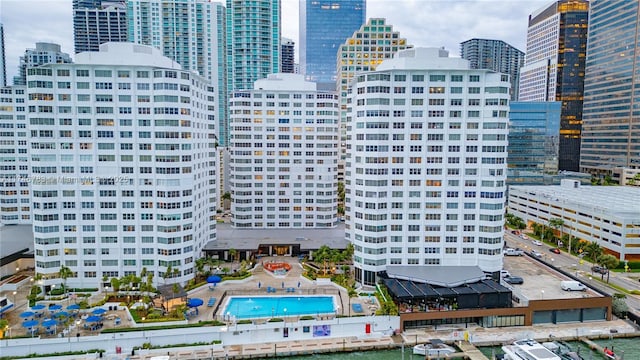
pixel 554 69
pixel 253 41
pixel 534 128
pixel 611 127
pixel 324 26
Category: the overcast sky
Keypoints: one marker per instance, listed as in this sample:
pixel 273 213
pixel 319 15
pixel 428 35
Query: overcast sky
pixel 423 22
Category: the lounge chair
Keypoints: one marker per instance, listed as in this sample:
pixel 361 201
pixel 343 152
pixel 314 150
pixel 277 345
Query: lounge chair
pixel 211 302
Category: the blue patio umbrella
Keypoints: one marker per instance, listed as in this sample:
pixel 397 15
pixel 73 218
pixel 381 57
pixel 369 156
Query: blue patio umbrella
pixel 73 307
pixel 38 307
pixel 27 314
pixel 61 314
pixel 214 279
pixel 49 323
pixel 194 302
pixel 98 311
pixel 92 319
pixel 30 323
pixel 55 307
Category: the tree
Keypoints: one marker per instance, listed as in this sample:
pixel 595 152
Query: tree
pixel 619 305
pixel 557 223
pixel 537 229
pixel 594 250
pixel 64 274
pixel 115 284
pixel 167 274
pixel 226 200
pixel 232 254
pixel 609 262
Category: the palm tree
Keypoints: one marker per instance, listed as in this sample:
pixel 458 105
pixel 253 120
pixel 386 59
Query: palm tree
pixel 594 250
pixel 557 223
pixel 609 262
pixel 226 200
pixel 115 284
pixel 64 274
pixel 232 254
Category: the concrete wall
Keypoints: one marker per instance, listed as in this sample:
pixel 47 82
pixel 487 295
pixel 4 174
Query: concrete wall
pixel 229 335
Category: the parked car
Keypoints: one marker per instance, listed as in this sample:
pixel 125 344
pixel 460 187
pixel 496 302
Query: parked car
pixel 572 286
pixel 514 280
pixel 555 250
pixel 599 270
pixel 537 242
pixel 504 273
pixel 536 253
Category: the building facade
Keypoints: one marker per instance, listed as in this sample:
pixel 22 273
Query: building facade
pixel 122 166
pixel 96 22
pixel 425 174
pixel 611 128
pixel 554 69
pixel 494 55
pixel 374 42
pixel 3 59
pixel 324 26
pixel 253 41
pixel 284 155
pixel 606 215
pixel 190 32
pixel 534 128
pixel 15 203
pixel 44 53
pixel 288 56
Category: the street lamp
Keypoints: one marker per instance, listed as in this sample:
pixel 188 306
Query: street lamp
pixel 14 299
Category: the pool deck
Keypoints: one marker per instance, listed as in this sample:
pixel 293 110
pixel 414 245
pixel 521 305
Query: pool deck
pixel 266 279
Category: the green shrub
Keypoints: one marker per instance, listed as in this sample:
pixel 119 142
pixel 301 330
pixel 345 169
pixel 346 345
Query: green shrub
pixel 306 317
pixel 275 320
pixel 241 322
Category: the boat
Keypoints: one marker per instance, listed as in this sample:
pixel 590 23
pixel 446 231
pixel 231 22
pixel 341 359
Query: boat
pixel 608 353
pixel 528 350
pixel 563 349
pixel 435 347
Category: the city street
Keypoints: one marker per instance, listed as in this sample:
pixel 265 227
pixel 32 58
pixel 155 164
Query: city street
pixel 572 264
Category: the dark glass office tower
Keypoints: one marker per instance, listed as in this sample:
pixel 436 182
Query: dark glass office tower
pixel 554 69
pixel 611 128
pixel 324 26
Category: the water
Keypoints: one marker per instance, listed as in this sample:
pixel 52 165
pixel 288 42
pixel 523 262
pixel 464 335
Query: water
pixel 364 355
pixel 274 306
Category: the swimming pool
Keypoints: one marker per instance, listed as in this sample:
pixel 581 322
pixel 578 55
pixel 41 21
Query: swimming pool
pixel 274 306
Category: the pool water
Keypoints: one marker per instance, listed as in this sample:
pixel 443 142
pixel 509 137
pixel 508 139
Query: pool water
pixel 278 306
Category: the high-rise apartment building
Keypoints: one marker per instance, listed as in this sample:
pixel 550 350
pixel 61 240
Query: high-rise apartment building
pixel 15 205
pixel 534 128
pixel 554 69
pixel 284 155
pixel 253 41
pixel 324 26
pixel 426 169
pixel 96 22
pixel 494 55
pixel 190 32
pixel 122 165
pixel 288 56
pixel 3 60
pixel 611 121
pixel 374 42
pixel 44 53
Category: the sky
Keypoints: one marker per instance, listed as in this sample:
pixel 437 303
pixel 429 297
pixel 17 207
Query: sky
pixel 440 23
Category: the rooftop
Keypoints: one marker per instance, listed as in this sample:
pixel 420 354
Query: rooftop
pixel 623 201
pixel 446 276
pixel 249 239
pixel 424 58
pixel 126 54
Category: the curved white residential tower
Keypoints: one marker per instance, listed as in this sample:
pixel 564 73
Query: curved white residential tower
pixel 426 164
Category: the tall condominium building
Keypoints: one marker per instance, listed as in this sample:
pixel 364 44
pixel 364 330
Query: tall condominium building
pixel 288 56
pixel 122 165
pixel 494 55
pixel 374 42
pixel 190 32
pixel 534 128
pixel 44 53
pixel 554 69
pixel 324 26
pixel 15 205
pixel 96 22
pixel 284 155
pixel 253 41
pixel 611 122
pixel 426 171
pixel 3 60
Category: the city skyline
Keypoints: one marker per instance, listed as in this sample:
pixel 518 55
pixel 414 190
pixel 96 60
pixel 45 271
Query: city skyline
pixel 503 20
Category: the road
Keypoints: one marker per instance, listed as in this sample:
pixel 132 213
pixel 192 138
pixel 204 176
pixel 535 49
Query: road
pixel 570 263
